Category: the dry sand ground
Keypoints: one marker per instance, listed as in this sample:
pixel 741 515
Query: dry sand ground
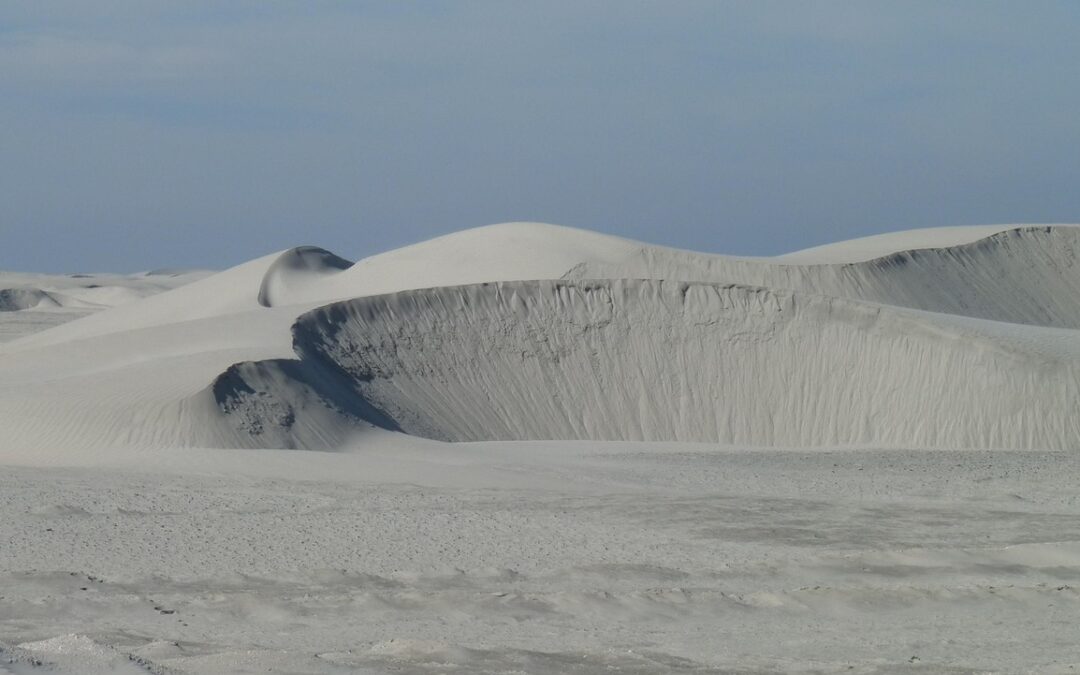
pixel 545 559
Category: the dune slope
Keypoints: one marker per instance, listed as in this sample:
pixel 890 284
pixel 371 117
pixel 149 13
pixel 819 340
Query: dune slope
pixel 532 331
pixel 668 360
pixel 1022 275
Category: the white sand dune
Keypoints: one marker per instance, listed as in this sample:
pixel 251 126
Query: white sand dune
pixel 635 342
pixel 1021 274
pixel 30 303
pixel 676 361
pixel 308 276
pixel 880 245
pixel 855 458
pixel 91 291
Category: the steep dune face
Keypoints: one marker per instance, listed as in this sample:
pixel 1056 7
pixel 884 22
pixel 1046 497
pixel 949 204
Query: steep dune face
pixel 285 403
pixel 1026 275
pixel 679 361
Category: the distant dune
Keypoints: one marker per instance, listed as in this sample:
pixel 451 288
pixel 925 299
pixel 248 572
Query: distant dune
pixel 31 303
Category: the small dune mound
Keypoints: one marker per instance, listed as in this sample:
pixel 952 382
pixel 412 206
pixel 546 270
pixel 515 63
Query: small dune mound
pixel 296 275
pixel 18 299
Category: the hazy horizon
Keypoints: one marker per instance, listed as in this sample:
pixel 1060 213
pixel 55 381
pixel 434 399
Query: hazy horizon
pixel 147 135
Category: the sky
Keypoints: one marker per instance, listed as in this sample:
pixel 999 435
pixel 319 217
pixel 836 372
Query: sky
pixel 137 134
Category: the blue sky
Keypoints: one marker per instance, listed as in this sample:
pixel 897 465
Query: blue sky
pixel 139 134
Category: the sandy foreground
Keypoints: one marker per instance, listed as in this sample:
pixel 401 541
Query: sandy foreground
pixel 579 558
